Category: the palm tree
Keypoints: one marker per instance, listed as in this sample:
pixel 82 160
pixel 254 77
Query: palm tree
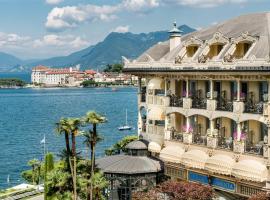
pixel 92 138
pixel 99 182
pixel 74 126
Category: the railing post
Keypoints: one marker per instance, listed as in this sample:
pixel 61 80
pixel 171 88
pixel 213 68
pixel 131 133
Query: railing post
pixel 165 81
pixel 139 85
pixel 239 129
pixel 187 88
pixel 238 89
pixel 211 89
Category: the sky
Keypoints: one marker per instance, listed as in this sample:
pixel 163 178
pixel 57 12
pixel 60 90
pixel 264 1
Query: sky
pixel 34 29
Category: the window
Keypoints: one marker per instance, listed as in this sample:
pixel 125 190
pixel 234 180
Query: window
pixel 215 50
pixel 191 50
pixel 241 50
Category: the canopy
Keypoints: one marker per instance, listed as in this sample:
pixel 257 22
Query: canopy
pixel 156 113
pixel 154 147
pixel 156 84
pixel 250 170
pixel 220 164
pixel 194 158
pixel 172 154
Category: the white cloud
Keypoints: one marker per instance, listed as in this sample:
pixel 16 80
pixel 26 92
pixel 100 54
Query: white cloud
pixel 48 45
pixel 67 17
pixel 54 2
pixel 121 29
pixel 12 39
pixel 203 3
pixel 70 16
pixel 60 41
pixel 140 5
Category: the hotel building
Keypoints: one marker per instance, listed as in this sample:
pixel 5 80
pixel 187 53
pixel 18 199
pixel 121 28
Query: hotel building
pixel 60 77
pixel 205 104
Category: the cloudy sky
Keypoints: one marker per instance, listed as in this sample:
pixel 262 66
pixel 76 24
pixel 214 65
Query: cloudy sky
pixel 45 28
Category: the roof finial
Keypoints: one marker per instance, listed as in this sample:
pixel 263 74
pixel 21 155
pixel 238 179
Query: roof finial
pixel 175 30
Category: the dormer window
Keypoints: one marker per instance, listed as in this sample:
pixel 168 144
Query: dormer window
pixel 191 50
pixel 241 49
pixel 214 50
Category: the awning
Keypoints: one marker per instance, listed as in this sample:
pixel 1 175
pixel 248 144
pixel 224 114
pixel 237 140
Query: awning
pixel 156 84
pixel 154 147
pixel 156 113
pixel 250 170
pixel 194 158
pixel 220 164
pixel 172 154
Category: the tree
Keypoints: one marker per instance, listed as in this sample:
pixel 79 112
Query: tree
pixel 175 190
pixel 117 67
pixel 120 146
pixel 98 183
pixel 35 165
pixel 64 127
pixel 74 125
pixel 49 166
pixel 260 196
pixel 94 119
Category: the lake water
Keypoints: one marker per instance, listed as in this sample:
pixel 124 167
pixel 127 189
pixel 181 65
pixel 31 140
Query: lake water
pixel 27 114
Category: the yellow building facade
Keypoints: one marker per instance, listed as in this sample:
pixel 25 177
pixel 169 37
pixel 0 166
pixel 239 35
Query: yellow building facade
pixel 205 104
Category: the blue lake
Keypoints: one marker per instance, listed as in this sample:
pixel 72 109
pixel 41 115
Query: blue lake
pixel 27 114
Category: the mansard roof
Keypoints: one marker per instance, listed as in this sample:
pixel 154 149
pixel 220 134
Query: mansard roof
pixel 252 27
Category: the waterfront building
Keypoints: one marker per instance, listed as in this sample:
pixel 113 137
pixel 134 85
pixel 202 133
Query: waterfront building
pixel 60 76
pixel 205 105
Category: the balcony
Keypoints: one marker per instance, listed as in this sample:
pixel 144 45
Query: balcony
pixel 225 143
pixel 255 108
pixel 177 136
pixel 225 105
pixel 199 103
pixel 200 139
pixel 143 97
pixel 158 100
pixel 155 129
pixel 176 101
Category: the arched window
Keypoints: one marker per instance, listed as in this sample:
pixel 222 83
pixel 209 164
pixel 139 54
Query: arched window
pixel 215 50
pixel 191 50
pixel 241 49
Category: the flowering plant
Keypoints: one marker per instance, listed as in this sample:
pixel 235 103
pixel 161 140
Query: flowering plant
pixel 243 136
pixel 187 129
pixel 184 94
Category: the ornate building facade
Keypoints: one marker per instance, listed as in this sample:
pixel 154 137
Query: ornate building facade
pixel 205 104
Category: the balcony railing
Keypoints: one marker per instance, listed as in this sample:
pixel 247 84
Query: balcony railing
pixel 143 97
pixel 256 149
pixel 199 103
pixel 225 106
pixel 176 101
pixel 225 143
pixel 199 139
pixel 177 136
pixel 256 108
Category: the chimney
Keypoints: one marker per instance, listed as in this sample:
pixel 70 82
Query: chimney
pixel 175 37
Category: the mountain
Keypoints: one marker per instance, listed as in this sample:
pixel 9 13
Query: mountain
pixel 7 61
pixel 109 51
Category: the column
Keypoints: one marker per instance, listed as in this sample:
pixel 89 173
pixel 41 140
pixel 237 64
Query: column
pixel 211 89
pixel 268 152
pixel 139 85
pixel 238 89
pixel 187 88
pixel 212 125
pixel 165 80
pixel 239 130
pixel 268 91
pixel 187 123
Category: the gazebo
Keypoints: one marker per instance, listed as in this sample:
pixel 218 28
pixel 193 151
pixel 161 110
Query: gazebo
pixel 133 171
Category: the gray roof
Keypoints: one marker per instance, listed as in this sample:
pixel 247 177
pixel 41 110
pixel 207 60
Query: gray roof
pixel 124 164
pixel 256 25
pixel 138 144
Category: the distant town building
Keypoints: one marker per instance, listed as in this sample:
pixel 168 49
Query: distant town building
pixel 70 77
pixel 56 77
